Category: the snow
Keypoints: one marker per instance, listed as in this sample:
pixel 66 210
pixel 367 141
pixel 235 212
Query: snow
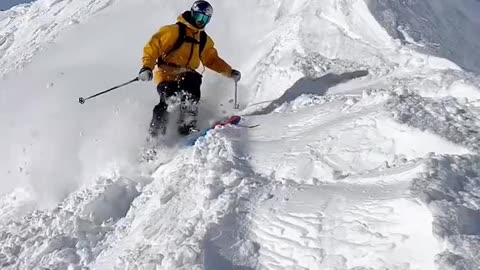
pixel 195 204
pixel 26 29
pixel 316 228
pixel 450 187
pixel 444 28
pixel 365 157
pixel 71 233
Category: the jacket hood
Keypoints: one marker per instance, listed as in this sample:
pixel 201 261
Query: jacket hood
pixel 186 18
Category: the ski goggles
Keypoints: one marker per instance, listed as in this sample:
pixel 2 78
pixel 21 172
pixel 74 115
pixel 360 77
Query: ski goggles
pixel 200 18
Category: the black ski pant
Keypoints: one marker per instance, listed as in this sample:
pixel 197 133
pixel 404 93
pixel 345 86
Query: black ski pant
pixel 186 89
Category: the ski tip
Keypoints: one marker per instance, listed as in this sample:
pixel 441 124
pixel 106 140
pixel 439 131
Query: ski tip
pixel 235 119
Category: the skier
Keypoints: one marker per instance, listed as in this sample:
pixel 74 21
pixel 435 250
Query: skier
pixel 176 52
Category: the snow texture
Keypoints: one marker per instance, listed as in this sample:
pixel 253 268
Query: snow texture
pixel 450 187
pixel 366 155
pixel 25 29
pixel 433 26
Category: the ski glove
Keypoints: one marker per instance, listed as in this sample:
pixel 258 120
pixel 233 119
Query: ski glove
pixel 145 74
pixel 236 75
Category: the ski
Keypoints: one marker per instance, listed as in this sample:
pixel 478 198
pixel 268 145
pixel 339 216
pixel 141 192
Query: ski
pixel 192 138
pixel 250 127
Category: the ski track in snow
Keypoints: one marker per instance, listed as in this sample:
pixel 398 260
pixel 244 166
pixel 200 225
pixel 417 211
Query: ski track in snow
pixel 366 156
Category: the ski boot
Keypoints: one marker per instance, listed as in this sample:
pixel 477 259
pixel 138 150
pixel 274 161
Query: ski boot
pixel 187 123
pixel 158 125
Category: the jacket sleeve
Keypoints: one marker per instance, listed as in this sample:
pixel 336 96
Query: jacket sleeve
pixel 212 61
pixel 159 44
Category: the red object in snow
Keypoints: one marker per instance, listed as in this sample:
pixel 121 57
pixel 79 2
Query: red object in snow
pixel 231 121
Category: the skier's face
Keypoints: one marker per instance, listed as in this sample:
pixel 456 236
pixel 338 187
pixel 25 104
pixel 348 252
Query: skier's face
pixel 201 20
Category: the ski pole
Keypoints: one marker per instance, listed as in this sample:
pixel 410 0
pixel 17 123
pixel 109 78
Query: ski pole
pixel 236 105
pixel 82 100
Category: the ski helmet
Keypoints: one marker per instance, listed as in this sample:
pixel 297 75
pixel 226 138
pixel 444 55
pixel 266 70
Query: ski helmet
pixel 201 11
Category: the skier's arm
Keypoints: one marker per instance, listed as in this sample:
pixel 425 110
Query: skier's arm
pixel 159 44
pixel 212 61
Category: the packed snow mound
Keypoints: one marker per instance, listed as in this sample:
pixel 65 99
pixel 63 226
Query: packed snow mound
pixel 178 219
pixel 71 234
pixel 191 201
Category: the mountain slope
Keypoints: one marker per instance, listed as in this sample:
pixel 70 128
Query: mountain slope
pixel 442 28
pixel 365 157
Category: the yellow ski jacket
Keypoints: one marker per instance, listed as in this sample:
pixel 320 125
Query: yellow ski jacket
pixel 185 58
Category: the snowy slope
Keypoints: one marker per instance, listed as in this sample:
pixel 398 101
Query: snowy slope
pixel 366 156
pixel 444 28
pixel 25 29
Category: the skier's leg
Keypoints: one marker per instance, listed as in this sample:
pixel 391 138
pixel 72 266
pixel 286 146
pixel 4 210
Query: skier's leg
pixel 159 122
pixel 190 86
